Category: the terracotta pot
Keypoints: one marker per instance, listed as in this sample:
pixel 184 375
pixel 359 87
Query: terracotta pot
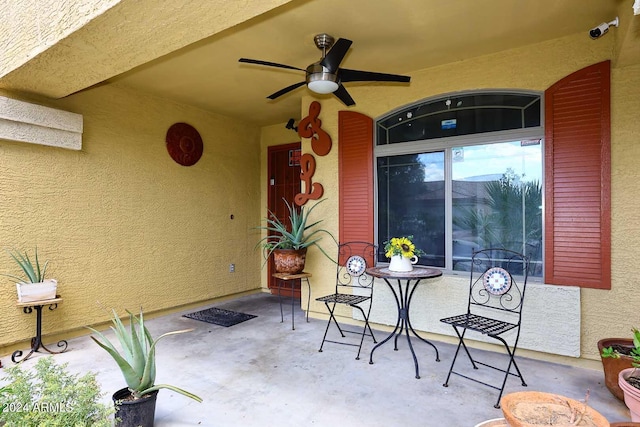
pixel 533 408
pixel 631 394
pixel 612 367
pixel 289 261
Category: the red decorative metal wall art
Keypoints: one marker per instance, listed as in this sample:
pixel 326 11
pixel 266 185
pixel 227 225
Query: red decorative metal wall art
pixel 311 127
pixel 184 144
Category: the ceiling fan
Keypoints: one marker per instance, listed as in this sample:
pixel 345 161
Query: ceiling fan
pixel 326 76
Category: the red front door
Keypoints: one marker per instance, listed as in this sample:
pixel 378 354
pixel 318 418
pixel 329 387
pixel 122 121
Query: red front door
pixel 283 182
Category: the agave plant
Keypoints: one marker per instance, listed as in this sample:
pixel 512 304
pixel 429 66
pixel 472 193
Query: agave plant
pixel 297 236
pixel 137 360
pixel 33 273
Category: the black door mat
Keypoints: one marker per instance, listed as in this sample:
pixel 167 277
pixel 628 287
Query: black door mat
pixel 219 316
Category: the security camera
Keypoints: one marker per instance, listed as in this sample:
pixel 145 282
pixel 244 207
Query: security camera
pixel 290 125
pixel 602 29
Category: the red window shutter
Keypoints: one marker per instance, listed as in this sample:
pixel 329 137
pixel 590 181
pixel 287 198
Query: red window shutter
pixel 578 179
pixel 355 168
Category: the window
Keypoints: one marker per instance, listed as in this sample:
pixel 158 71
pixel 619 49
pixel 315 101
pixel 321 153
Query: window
pixel 577 170
pixel 462 173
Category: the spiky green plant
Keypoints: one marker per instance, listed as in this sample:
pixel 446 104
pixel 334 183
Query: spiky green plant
pixel 297 235
pixel 33 272
pixel 137 359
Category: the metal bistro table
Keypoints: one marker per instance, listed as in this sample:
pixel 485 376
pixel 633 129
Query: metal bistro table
pixel 403 302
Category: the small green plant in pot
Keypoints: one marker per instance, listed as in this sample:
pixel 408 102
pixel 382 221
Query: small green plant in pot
pixel 629 378
pixel 32 284
pixel 288 243
pixel 137 361
pixel 634 352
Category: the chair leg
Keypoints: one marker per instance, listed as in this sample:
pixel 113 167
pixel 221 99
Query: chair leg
pixel 367 325
pixel 507 372
pixel 364 329
pixel 465 347
pixel 366 322
pixel 512 360
pixel 331 317
pixel 455 357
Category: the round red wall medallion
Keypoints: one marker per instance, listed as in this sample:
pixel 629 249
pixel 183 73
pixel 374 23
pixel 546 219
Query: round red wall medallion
pixel 184 144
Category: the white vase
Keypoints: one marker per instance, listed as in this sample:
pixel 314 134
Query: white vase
pixel 402 264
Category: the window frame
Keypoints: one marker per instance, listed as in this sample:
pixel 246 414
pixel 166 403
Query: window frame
pixel 446 144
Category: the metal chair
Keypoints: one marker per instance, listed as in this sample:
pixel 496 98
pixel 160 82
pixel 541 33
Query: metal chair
pixel 354 287
pixel 496 293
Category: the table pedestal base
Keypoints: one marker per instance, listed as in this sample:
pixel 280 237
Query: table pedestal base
pixel 403 302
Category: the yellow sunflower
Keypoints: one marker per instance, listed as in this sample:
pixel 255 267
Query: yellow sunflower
pixel 401 246
pixel 391 247
pixel 406 246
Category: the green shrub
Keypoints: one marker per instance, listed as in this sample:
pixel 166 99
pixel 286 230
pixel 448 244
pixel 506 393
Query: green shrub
pixel 49 396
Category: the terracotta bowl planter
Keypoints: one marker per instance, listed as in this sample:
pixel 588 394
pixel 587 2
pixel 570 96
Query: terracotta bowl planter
pixel 533 409
pixel 631 394
pixel 289 261
pixel 612 367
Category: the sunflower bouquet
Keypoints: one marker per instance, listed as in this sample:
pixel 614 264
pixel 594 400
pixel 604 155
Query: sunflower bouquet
pixel 401 246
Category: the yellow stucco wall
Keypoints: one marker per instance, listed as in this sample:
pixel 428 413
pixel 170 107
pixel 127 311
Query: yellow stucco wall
pixel 604 313
pixel 122 224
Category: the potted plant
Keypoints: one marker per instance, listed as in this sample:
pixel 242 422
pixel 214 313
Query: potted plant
pixel 402 253
pixel 534 408
pixel 32 286
pixel 615 354
pixel 288 244
pixel 135 404
pixel 629 378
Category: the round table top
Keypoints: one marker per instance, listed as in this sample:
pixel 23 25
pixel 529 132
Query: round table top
pixel 418 272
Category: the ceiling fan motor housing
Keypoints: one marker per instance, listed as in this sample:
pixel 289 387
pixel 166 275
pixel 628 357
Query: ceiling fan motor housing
pixel 320 80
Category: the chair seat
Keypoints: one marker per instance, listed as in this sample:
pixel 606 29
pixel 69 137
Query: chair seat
pixel 481 324
pixel 343 298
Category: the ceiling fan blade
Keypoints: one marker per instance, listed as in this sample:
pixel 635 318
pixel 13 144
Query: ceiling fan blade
pixel 342 94
pixel 286 89
pixel 337 52
pixel 268 64
pixel 346 75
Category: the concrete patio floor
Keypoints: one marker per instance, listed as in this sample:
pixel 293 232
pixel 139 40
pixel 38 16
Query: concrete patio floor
pixel 262 373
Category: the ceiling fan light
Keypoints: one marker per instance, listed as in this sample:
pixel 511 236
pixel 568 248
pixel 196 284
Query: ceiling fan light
pixel 322 82
pixel 323 86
